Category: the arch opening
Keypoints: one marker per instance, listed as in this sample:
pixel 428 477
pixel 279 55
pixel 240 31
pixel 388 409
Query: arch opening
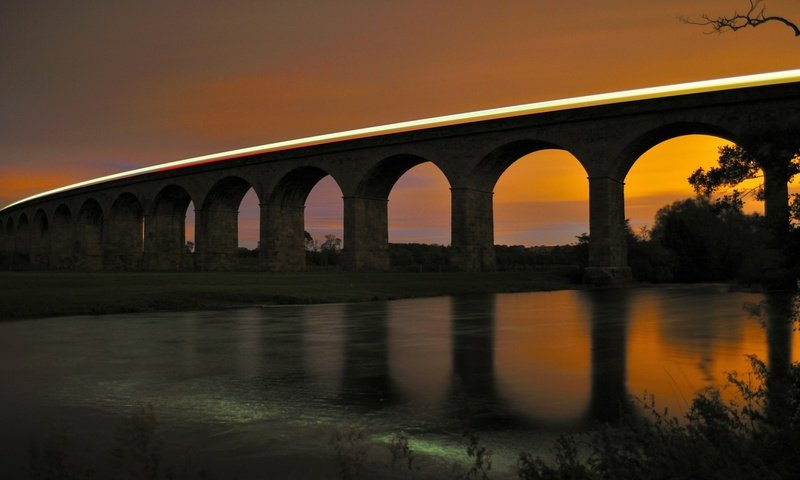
pixel 324 211
pixel 541 208
pixel 286 245
pixel 217 226
pixel 249 232
pixel 418 219
pixel 367 213
pixel 678 235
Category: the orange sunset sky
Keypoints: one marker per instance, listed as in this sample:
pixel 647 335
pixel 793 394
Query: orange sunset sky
pixel 96 87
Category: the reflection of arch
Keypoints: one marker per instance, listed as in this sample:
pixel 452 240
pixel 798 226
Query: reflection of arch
pixel 217 233
pixel 647 140
pixel 40 240
pixel 61 238
pixel 88 246
pixel 124 241
pixel 282 232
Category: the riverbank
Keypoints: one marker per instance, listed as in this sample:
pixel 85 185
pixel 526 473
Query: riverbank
pixel 45 294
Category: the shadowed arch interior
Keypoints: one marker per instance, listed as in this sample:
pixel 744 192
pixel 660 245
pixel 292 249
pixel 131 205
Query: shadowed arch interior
pixel 125 241
pixel 283 223
pixel 40 240
pixel 218 225
pixel 165 230
pixel 88 246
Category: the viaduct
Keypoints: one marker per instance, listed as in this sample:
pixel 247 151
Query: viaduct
pixel 135 220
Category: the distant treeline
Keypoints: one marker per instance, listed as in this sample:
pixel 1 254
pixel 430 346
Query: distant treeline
pixel 693 240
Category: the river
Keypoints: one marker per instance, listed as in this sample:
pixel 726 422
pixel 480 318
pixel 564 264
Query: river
pixel 260 392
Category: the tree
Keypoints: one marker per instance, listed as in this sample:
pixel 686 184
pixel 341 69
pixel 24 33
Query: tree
pixel 310 243
pixel 736 166
pixel 331 243
pixel 755 16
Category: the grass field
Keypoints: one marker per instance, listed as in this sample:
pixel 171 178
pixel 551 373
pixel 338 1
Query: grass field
pixel 38 294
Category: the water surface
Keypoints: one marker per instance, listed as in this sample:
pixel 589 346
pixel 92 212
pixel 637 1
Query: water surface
pixel 260 391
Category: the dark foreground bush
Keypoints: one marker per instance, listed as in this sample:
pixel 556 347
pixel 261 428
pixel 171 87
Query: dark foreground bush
pixel 755 437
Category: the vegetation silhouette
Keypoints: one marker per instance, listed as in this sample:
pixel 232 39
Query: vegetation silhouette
pixel 755 16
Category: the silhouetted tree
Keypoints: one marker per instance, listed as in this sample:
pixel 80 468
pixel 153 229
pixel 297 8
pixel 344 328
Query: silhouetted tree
pixel 713 241
pixel 755 16
pixel 310 244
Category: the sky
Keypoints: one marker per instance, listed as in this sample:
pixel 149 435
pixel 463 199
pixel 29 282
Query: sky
pixel 97 87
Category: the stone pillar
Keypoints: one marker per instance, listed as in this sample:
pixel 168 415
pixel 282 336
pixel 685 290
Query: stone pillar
pixel 282 228
pixel 776 197
pixel 472 227
pixel 22 247
pixel 608 258
pixel 216 238
pixel 61 244
pixel 366 234
pixel 165 239
pixel 123 246
pixel 774 157
pixel 40 247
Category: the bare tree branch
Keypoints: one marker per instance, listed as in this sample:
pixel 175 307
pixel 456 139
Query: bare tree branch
pixel 755 16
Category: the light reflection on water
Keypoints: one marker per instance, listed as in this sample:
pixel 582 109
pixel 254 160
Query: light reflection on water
pixel 282 378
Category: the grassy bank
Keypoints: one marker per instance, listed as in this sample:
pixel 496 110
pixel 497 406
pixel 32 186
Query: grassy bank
pixel 37 294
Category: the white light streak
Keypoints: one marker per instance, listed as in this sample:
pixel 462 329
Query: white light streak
pixel 762 79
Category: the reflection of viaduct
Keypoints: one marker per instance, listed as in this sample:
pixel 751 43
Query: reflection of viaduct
pixel 136 220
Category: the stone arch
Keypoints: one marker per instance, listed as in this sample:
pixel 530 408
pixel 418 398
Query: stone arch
pixel 492 166
pixel 473 202
pixel 380 179
pixel 217 234
pixel 124 234
pixel 165 231
pixel 40 240
pixel 283 221
pixel 647 140
pixel 62 232
pixel 366 217
pixel 88 242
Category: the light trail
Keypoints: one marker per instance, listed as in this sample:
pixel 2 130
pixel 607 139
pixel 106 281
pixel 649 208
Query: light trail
pixel 761 79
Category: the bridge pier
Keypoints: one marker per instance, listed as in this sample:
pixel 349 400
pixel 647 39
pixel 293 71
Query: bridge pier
pixel 216 238
pixel 165 242
pixel 40 242
pixel 472 229
pixel 608 256
pixel 366 234
pixel 61 240
pixel 283 228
